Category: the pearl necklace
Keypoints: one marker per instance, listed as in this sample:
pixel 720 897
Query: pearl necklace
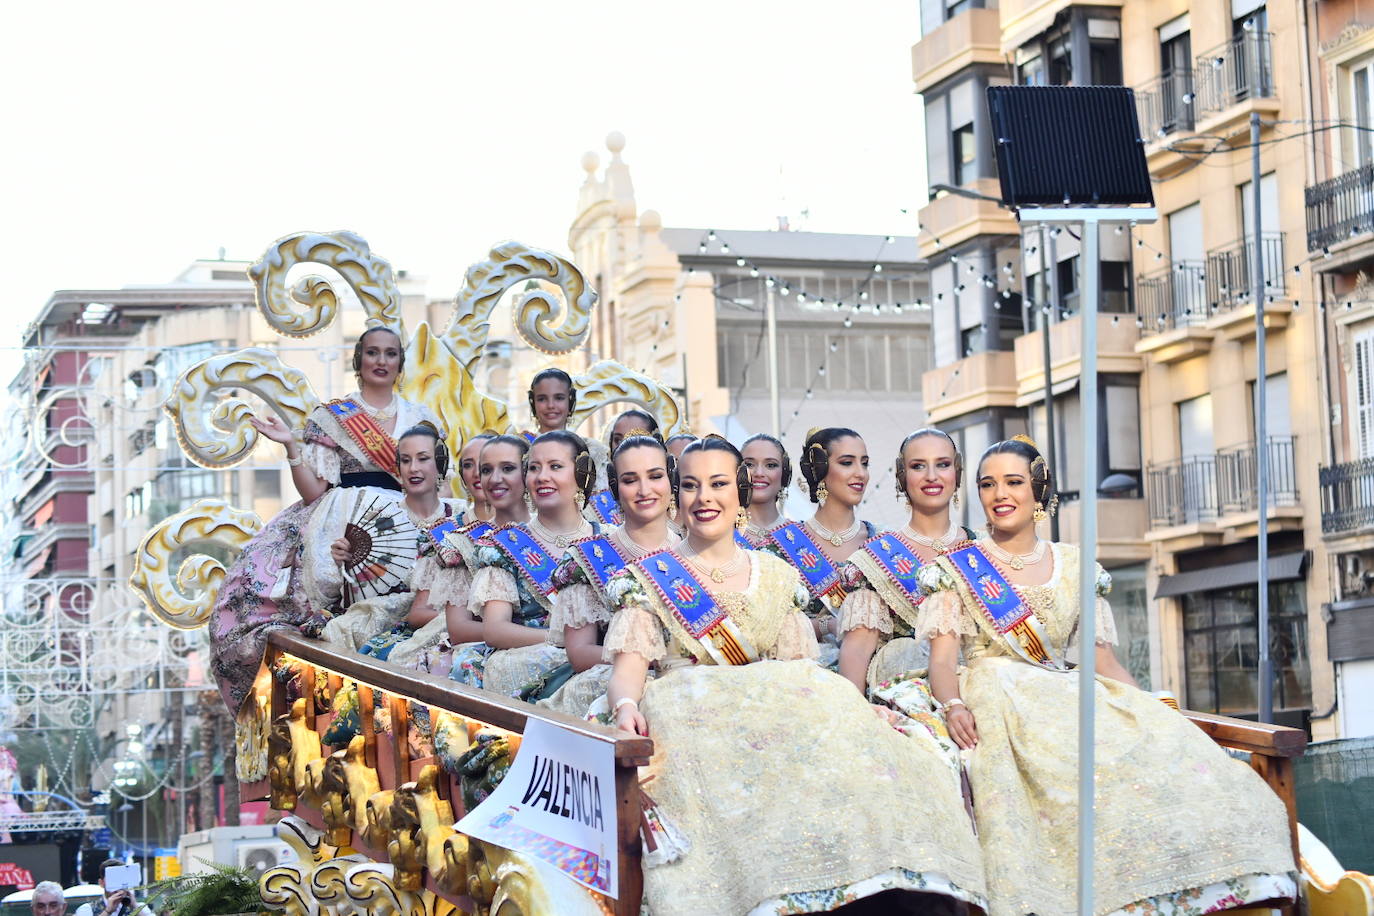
pixel 837 538
pixel 559 539
pixel 940 544
pixel 632 547
pixel 381 413
pixel 1017 561
pixel 761 532
pixel 717 574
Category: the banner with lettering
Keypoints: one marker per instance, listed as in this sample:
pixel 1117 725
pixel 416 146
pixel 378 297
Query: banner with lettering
pixel 556 803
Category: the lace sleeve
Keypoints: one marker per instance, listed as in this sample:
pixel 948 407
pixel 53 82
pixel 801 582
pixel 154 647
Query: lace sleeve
pixel 422 576
pixel 491 583
pixel 863 608
pixel 634 629
pixel 796 639
pixel 451 585
pixel 1106 624
pixel 576 605
pixel 942 613
pixel 320 453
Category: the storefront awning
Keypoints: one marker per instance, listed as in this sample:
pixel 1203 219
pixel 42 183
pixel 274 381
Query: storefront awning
pixel 1281 568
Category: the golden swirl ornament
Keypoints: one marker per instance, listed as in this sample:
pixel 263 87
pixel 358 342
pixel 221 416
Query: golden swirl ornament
pixel 309 305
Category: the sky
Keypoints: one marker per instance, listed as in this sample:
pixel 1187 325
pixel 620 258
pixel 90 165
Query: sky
pixel 142 136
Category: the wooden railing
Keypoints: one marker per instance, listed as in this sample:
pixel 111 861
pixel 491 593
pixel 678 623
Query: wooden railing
pixel 395 767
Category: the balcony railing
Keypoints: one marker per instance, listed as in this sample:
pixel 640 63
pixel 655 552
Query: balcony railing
pixel 1172 298
pixel 1202 488
pixel 1347 496
pixel 1340 208
pixel 1165 104
pixel 1234 72
pixel 1228 270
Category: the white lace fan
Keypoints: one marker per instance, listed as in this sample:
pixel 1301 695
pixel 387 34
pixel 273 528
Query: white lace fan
pixel 381 546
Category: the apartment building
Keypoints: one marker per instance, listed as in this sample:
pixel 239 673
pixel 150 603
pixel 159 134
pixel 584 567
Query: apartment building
pixel 690 307
pixel 1178 513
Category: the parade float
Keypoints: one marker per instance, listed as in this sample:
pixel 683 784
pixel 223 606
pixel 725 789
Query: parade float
pixel 384 823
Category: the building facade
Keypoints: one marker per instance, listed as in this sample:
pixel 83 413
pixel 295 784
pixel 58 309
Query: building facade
pixel 1178 516
pixel 690 306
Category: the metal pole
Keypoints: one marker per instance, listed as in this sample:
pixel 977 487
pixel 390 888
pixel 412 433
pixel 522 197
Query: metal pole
pixel 1257 295
pixel 1087 572
pixel 773 404
pixel 1045 322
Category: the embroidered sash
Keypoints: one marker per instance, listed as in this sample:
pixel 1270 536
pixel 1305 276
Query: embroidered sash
pixel 1010 617
pixel 447 537
pixel 890 565
pixel 533 561
pixel 371 439
pixel 599 559
pixel 695 610
pixel 603 504
pixel 740 539
pixel 821 577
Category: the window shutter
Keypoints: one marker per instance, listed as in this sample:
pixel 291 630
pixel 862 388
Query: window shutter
pixel 1363 385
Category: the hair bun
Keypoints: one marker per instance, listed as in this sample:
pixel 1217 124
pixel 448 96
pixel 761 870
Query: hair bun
pixel 1022 437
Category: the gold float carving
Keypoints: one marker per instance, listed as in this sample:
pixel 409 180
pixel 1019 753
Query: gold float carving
pixel 372 888
pixel 508 264
pixel 421 821
pixel 376 828
pixel 608 382
pixel 187 602
pixel 250 740
pixel 292 745
pixel 286 889
pixel 435 377
pixel 334 807
pixel 215 433
pixel 312 794
pixel 310 305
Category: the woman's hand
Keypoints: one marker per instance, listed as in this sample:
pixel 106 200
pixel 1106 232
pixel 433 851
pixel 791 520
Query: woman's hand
pixel 630 719
pixel 273 428
pixel 885 713
pixel 339 551
pixel 962 728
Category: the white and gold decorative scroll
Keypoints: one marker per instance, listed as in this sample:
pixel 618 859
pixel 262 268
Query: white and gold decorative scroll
pixel 215 433
pixel 214 430
pixel 186 601
pixel 309 306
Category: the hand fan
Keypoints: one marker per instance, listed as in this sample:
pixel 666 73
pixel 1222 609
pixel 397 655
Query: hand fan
pixel 382 544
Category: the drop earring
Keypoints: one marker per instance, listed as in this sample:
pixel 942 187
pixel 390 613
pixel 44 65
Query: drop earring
pixel 672 506
pixel 1039 515
pixel 741 519
pixel 822 493
pixel 529 502
pixel 955 499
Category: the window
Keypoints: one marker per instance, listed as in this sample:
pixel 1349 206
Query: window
pixel 1061 60
pixel 1130 608
pixel 965 155
pixel 1031 72
pixel 1176 75
pixel 1221 648
pixel 1362 106
pixel 1362 386
pixel 1104 52
pixel 1195 427
pixel 136 501
pixel 1067 276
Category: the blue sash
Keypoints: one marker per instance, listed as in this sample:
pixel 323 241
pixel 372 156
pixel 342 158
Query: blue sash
pixel 600 559
pixel 743 541
pixel 532 560
pixel 438 533
pixel 603 504
pixel 694 608
pixel 801 551
pixel 898 563
pixel 1002 606
pixel 529 437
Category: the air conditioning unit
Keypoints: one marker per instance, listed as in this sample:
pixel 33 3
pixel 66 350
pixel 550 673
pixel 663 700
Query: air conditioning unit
pixel 262 856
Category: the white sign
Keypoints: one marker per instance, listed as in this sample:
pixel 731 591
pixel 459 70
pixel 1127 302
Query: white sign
pixel 556 803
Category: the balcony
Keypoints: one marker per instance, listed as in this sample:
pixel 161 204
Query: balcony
pixel 985 379
pixel 1233 79
pixel 1348 497
pixel 950 220
pixel 1339 211
pixel 1172 308
pixel 1206 493
pixel 1229 292
pixel 972 37
pixel 1164 105
pixel 1116 338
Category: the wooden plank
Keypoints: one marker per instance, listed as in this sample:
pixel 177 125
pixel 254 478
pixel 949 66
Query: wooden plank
pixel 1255 737
pixel 493 709
pixel 629 866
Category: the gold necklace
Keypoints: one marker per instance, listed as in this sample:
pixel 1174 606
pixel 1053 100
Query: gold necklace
pixel 560 539
pixel 716 574
pixel 940 544
pixel 1017 561
pixel 837 538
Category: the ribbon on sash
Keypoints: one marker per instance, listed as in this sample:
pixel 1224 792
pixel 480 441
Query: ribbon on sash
pixel 376 445
pixel 533 561
pixel 1003 607
pixel 446 535
pixel 694 608
pixel 599 558
pixel 821 577
pixel 604 505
